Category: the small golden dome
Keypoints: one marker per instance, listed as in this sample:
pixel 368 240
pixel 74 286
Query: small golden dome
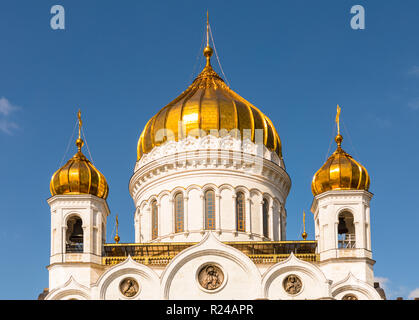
pixel 79 176
pixel 208 104
pixel 340 172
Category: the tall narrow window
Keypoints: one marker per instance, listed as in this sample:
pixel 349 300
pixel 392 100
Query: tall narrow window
pixel 154 220
pixel 210 210
pixel 240 226
pixel 179 217
pixel 265 217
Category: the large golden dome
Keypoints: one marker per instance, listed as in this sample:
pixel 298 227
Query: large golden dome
pixel 340 172
pixel 79 176
pixel 208 104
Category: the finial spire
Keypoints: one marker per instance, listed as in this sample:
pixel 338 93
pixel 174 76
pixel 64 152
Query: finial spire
pixel 338 138
pixel 208 50
pixel 79 141
pixel 304 234
pixel 117 236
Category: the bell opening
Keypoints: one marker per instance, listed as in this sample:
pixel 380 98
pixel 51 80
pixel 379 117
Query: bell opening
pixel 346 231
pixel 74 236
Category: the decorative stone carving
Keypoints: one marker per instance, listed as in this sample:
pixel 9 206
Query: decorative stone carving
pixel 208 142
pixel 292 284
pixel 210 277
pixel 129 287
pixel 350 297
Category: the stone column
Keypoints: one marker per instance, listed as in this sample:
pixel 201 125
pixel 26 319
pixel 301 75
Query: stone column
pixel 362 242
pixel 234 198
pixel 148 234
pixel 279 222
pixel 261 218
pixel 185 217
pixel 217 212
pixel 271 221
pixel 63 241
pixel 368 226
pixel 203 213
pixel 248 216
pixel 158 219
pixel 172 215
pixel 137 220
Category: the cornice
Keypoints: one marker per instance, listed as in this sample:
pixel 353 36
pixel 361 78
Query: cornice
pixel 341 195
pixel 71 200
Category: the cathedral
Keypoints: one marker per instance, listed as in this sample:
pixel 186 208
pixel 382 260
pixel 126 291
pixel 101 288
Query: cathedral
pixel 209 187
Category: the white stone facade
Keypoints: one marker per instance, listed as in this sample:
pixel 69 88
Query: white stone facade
pixel 244 280
pixel 226 166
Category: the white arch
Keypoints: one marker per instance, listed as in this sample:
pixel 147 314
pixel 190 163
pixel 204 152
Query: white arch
pixel 344 209
pixel 177 190
pixel 162 194
pixel 71 214
pixel 192 187
pixel 126 268
pixel 210 245
pixel 208 186
pixel 70 289
pixel 243 189
pixel 350 284
pixel 291 265
pixel 225 186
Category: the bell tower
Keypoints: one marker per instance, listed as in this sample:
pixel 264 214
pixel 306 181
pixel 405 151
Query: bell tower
pixel 341 208
pixel 78 219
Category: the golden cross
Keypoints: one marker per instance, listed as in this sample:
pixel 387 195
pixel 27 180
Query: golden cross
pixel 80 123
pixel 337 118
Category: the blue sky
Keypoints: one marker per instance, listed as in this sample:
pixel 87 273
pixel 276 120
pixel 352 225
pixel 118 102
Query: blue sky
pixel 122 61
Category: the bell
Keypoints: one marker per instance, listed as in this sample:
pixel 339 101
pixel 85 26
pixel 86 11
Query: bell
pixel 342 226
pixel 77 234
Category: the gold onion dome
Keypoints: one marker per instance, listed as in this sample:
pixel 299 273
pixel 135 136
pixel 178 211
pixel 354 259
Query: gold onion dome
pixel 340 172
pixel 79 176
pixel 208 104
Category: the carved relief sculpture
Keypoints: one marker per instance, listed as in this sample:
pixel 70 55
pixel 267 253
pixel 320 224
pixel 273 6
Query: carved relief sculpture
pixel 129 287
pixel 210 277
pixel 292 284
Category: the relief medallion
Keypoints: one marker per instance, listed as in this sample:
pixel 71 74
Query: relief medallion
pixel 129 287
pixel 292 284
pixel 210 277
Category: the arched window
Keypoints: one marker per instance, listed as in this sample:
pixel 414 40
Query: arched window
pixel 209 210
pixel 240 212
pixel 154 220
pixel 74 235
pixel 179 216
pixel 265 211
pixel 346 231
